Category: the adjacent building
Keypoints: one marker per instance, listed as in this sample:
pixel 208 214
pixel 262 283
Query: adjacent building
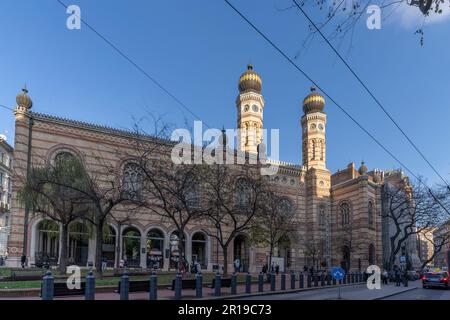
pixel 6 162
pixel 442 233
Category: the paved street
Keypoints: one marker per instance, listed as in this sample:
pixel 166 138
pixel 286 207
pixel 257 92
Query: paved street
pixel 358 292
pixel 423 294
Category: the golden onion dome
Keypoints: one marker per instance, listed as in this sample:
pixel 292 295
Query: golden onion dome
pixel 23 99
pixel 250 81
pixel 314 102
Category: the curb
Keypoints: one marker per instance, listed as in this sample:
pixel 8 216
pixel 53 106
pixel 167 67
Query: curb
pixel 265 293
pixel 396 293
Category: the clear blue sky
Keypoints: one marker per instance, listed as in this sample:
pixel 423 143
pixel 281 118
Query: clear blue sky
pixel 198 49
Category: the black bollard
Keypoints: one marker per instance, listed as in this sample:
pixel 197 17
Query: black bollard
pixel 199 285
pixel 272 281
pixel 217 284
pixel 322 280
pixel 292 280
pixel 334 281
pixel 124 285
pixel 301 281
pixel 283 281
pixel 47 286
pixel 328 279
pixel 316 280
pixel 153 294
pixel 260 282
pixel 89 293
pixel 309 281
pixel 178 287
pixel 233 283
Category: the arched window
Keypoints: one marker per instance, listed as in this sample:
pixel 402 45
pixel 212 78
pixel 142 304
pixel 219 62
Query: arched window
pixel 132 181
pixel 322 150
pixel 345 213
pixel 192 196
pixel 155 249
pixel 313 150
pixel 285 206
pixel 321 216
pixel 243 193
pixel 370 213
pixel 63 156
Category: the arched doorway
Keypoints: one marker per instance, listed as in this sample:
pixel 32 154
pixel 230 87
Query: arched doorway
pixel 109 245
pixel 284 251
pixel 345 263
pixel 155 249
pixel 199 249
pixel 241 252
pixel 47 250
pixel 174 249
pixel 131 247
pixel 371 254
pixel 78 243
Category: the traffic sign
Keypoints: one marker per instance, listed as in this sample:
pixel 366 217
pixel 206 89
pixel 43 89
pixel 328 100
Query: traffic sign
pixel 338 273
pixel 402 259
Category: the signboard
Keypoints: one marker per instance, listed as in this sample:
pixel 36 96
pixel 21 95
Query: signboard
pixel 402 259
pixel 338 273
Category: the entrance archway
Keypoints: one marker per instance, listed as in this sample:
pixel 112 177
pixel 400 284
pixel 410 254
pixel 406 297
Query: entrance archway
pixel 78 243
pixel 284 251
pixel 371 254
pixel 241 252
pixel 175 250
pixel 47 250
pixel 199 249
pixel 345 263
pixel 155 249
pixel 131 247
pixel 109 245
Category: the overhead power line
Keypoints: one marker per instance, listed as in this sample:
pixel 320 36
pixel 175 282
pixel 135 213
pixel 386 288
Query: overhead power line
pixel 134 64
pixel 282 53
pixel 6 107
pixel 377 101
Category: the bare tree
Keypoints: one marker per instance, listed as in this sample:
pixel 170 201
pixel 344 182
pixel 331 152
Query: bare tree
pixel 314 249
pixel 338 19
pixel 411 209
pixel 275 223
pixel 233 198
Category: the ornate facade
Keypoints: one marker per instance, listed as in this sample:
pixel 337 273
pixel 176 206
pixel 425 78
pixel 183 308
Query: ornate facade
pixel 338 215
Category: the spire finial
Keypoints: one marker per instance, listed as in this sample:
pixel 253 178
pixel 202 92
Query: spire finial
pixel 24 89
pixel 249 66
pixel 313 88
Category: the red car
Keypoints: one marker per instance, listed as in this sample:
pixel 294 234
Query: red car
pixel 435 279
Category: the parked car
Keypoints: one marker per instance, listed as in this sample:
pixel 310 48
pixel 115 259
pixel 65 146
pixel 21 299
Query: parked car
pixel 435 279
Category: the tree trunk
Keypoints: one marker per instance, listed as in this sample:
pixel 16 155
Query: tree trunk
pixel 225 260
pixel 98 248
pixel 118 242
pixel 64 245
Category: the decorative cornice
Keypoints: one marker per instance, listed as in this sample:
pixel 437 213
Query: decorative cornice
pixel 98 128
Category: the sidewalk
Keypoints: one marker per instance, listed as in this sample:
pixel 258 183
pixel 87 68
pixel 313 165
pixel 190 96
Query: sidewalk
pixel 351 291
